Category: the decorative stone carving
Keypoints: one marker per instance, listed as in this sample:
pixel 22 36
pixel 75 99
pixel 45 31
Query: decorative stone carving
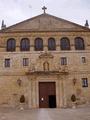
pixel 46 55
pixel 74 81
pixel 19 82
pixel 32 67
pixel 63 69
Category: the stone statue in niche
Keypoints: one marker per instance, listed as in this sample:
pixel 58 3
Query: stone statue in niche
pixel 46 66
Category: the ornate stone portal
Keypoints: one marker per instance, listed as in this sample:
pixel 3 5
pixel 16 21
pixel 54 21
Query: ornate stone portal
pixel 45 72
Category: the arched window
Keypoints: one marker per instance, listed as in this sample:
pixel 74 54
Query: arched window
pixel 11 44
pixel 79 43
pixel 65 44
pixel 46 66
pixel 38 44
pixel 51 44
pixel 25 44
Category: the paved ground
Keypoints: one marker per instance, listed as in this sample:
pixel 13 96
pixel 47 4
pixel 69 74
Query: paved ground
pixel 45 114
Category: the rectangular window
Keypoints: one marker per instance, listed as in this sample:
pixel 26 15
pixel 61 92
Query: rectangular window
pixel 83 60
pixel 63 61
pixel 7 62
pixel 25 61
pixel 84 82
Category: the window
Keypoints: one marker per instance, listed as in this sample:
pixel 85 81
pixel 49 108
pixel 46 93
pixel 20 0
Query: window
pixel 79 44
pixel 83 60
pixel 38 44
pixel 7 62
pixel 51 44
pixel 25 44
pixel 11 45
pixel 25 61
pixel 65 44
pixel 84 82
pixel 63 61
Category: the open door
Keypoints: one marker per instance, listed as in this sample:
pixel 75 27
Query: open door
pixel 52 101
pixel 47 95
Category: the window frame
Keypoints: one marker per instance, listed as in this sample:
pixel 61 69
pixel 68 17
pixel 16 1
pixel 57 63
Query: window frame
pixel 79 43
pixel 25 62
pixel 63 60
pixel 51 44
pixel 63 42
pixel 11 45
pixel 7 63
pixel 83 60
pixel 38 44
pixel 84 82
pixel 25 44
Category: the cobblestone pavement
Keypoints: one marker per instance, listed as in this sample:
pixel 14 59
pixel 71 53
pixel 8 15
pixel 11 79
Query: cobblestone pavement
pixel 45 114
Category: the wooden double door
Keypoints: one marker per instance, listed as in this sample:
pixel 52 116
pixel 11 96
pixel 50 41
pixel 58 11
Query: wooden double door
pixel 47 95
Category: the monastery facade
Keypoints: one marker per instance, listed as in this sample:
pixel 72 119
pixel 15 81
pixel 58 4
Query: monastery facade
pixel 43 62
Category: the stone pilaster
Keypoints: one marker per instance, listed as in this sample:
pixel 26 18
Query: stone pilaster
pixel 32 39
pixel 57 94
pixel 61 91
pixel 64 91
pixel 57 43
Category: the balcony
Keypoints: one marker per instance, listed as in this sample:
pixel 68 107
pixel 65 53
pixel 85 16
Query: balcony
pixel 62 70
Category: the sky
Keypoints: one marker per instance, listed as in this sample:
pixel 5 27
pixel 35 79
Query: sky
pixel 14 11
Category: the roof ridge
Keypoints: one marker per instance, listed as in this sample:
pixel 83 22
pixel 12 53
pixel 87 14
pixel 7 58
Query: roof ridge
pixel 45 14
pixel 69 22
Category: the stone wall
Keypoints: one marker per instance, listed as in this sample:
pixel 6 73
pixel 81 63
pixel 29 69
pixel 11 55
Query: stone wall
pixel 10 91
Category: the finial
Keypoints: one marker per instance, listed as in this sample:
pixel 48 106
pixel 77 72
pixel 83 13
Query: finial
pixel 86 24
pixel 3 26
pixel 44 9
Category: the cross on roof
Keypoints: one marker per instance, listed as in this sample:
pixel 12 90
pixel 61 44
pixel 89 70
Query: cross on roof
pixel 44 9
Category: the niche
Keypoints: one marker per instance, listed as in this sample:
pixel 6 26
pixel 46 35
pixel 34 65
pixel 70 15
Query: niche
pixel 22 99
pixel 46 66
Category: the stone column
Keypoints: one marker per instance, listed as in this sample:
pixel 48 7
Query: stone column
pixel 64 91
pixel 37 94
pixel 33 95
pixel 61 90
pixel 29 95
pixel 57 94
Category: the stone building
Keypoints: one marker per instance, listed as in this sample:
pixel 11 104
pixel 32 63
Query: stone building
pixel 43 62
